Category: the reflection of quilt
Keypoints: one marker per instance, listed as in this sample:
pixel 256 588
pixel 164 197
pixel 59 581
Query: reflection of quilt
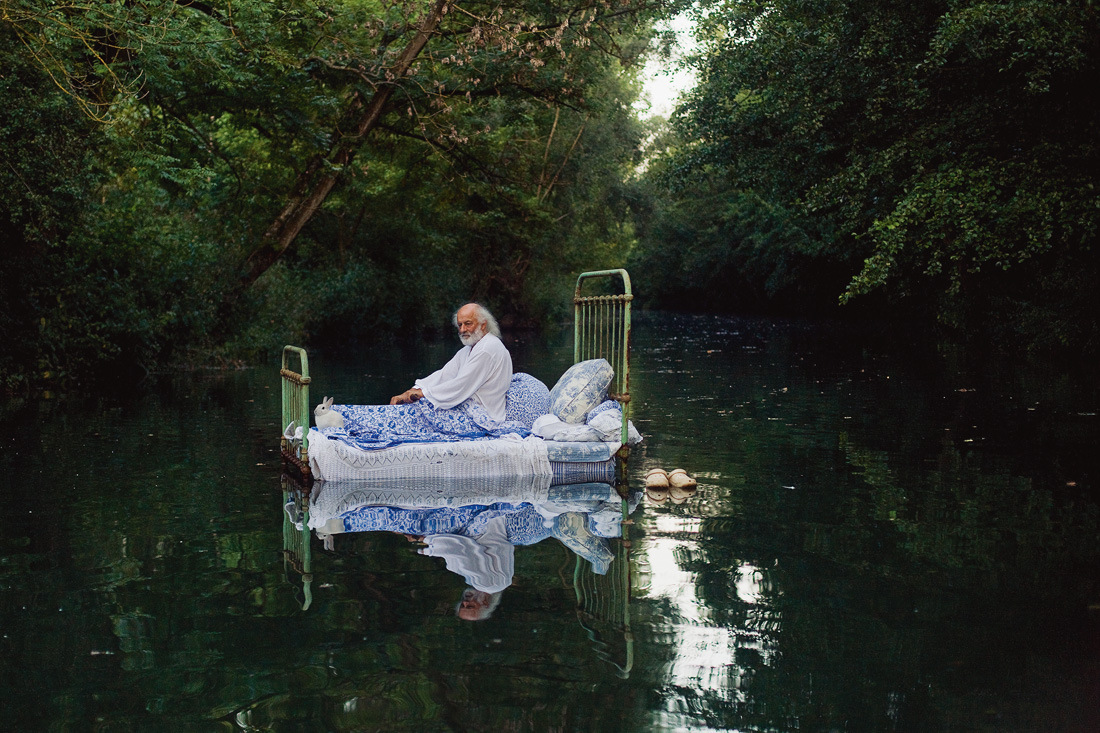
pixel 523 525
pixel 412 506
pixel 330 499
pixel 370 427
pixel 518 524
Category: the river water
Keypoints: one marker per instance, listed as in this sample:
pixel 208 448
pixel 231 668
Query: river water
pixel 882 538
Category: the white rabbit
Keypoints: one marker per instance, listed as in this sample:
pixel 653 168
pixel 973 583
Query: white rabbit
pixel 325 417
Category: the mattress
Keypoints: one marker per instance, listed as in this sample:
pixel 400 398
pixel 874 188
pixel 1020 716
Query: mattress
pixel 580 452
pixel 334 460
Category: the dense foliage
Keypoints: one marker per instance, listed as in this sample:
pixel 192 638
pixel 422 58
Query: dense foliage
pixel 443 152
pixel 934 158
pixel 188 178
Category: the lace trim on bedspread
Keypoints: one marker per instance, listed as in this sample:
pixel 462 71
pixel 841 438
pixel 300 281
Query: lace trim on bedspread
pixel 334 460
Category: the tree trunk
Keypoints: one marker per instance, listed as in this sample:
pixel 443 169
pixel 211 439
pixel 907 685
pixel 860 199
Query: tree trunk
pixel 316 182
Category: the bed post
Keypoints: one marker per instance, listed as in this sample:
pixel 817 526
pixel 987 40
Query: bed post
pixel 601 330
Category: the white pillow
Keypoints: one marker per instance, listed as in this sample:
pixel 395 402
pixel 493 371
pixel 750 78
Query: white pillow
pixel 578 434
pixel 549 427
pixel 582 387
pixel 610 425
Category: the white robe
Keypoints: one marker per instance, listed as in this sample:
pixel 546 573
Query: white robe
pixel 482 372
pixel 486 562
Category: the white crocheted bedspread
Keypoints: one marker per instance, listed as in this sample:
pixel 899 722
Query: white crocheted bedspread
pixel 333 460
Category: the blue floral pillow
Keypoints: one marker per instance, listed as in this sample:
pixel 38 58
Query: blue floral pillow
pixel 603 406
pixel 573 531
pixel 582 387
pixel 526 399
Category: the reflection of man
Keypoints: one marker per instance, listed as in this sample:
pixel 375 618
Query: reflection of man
pixel 476 541
pixel 477 605
pixel 496 568
pixel 481 370
pixel 486 561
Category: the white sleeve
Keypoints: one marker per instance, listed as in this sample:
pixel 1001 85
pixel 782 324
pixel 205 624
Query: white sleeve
pixel 449 371
pixel 454 387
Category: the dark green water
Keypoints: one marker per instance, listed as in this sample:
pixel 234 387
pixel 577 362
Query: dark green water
pixel 881 540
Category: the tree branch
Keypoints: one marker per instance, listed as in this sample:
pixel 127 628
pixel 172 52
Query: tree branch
pixel 318 179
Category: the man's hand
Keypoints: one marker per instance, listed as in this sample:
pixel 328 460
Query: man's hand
pixel 407 397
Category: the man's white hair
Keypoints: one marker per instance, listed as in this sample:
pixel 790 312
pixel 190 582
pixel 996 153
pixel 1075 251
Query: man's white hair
pixel 484 613
pixel 483 316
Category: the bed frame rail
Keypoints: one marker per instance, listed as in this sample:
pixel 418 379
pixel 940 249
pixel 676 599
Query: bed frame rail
pixel 296 409
pixel 601 328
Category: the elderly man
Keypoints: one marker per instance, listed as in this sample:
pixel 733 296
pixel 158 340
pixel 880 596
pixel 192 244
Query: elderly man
pixel 464 400
pixel 481 371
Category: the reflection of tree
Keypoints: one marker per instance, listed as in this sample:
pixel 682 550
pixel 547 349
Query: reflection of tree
pixel 887 579
pixel 964 516
pixel 907 515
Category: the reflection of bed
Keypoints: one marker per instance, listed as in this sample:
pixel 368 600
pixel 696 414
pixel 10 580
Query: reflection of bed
pixel 591 519
pixel 337 501
pixel 582 516
pixel 601 338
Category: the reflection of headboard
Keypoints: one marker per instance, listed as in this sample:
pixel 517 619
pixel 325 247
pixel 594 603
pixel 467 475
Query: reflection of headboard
pixel 603 607
pixel 601 328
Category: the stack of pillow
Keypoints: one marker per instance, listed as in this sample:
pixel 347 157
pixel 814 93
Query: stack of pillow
pixel 579 408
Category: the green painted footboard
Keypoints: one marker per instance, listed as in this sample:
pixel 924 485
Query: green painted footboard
pixel 295 413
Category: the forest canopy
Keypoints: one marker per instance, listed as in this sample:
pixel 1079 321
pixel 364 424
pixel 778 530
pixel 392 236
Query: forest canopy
pixel 934 160
pixel 225 177
pixel 222 178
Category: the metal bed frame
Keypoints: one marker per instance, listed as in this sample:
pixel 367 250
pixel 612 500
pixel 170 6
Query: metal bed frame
pixel 601 330
pixel 295 409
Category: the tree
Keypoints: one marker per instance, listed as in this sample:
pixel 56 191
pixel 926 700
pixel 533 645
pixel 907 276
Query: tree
pixel 943 152
pixel 270 170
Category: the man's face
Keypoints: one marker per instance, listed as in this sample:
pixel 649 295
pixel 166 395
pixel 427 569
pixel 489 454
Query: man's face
pixel 473 604
pixel 470 329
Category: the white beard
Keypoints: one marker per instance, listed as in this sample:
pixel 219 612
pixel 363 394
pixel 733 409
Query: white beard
pixel 471 339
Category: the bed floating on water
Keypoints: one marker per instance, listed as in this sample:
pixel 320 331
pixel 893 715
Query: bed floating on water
pixel 578 429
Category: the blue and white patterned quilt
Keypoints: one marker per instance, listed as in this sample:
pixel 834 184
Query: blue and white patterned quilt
pixel 371 427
